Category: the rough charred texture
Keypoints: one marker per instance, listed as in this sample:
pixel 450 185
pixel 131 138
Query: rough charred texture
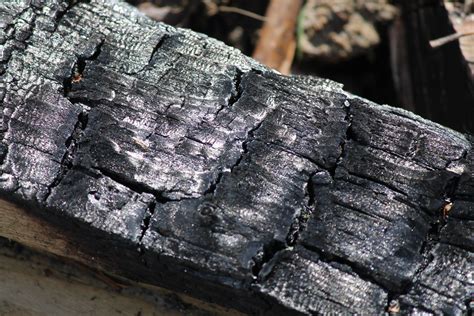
pixel 175 160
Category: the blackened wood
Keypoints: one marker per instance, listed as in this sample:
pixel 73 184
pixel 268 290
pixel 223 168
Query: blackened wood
pixel 174 160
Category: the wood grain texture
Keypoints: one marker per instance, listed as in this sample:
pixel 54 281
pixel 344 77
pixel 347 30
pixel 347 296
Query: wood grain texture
pixel 37 284
pixel 177 161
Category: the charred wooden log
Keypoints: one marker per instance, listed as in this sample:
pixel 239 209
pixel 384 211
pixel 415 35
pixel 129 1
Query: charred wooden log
pixel 166 157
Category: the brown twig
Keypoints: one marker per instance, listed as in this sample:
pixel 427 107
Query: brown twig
pixel 213 9
pixel 277 43
pixel 249 14
pixel 448 39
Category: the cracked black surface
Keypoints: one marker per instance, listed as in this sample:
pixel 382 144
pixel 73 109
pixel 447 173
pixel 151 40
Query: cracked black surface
pixel 182 163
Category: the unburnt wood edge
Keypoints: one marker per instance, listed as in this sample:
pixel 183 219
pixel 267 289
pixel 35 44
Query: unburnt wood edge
pixel 23 227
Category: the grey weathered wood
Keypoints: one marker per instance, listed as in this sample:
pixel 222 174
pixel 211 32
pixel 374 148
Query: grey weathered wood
pixel 174 160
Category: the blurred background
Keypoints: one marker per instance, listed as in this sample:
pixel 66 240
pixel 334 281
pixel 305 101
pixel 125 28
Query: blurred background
pixel 415 54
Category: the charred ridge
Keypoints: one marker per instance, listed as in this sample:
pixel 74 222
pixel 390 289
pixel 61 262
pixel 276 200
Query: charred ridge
pixel 135 186
pixel 344 264
pixel 156 48
pixel 158 45
pixel 263 261
pixel 300 223
pixel 347 137
pixel 245 150
pixel 433 237
pixel 11 45
pixel 145 225
pixel 237 90
pixel 77 71
pixel 266 261
pixel 71 148
pixel 212 188
pixel 60 14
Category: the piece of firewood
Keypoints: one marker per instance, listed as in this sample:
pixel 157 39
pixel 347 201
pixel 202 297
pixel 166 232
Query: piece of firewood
pixel 171 159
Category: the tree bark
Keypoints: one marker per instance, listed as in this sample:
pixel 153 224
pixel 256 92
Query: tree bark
pixel 168 158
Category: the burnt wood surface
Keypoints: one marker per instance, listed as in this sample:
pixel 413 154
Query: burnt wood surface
pixel 174 160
